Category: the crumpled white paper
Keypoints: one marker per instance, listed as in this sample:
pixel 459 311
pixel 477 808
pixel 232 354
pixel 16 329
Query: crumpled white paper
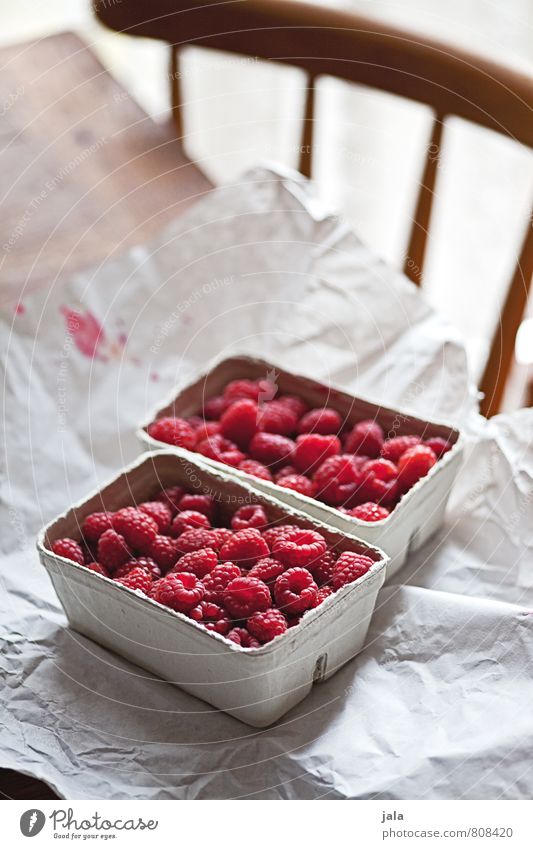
pixel 436 706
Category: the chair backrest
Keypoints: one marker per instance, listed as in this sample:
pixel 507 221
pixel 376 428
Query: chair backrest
pixel 325 41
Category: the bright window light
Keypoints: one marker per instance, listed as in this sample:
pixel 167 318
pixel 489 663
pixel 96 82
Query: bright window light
pixel 524 343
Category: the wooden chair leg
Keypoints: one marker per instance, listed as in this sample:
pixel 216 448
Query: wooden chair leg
pixel 176 91
pixel 306 146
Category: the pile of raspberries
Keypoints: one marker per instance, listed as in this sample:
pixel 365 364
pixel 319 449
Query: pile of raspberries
pixel 248 582
pixel 356 469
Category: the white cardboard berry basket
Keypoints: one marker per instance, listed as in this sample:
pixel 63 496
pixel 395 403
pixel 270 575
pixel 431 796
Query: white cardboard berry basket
pixel 255 685
pixel 421 510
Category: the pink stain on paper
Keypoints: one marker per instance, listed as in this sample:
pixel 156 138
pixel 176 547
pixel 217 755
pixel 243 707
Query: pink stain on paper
pixel 89 336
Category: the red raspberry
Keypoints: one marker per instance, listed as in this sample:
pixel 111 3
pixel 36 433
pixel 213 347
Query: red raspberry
pixel 94 526
pixel 414 464
pixel 265 626
pixel 249 516
pixel 271 448
pixel 180 591
pixel 173 432
pixel 322 568
pixel 384 470
pixel 298 483
pixel 215 582
pixel 138 529
pixel 237 389
pixel 239 422
pixel 438 445
pixel 97 567
pixel 272 534
pixel 195 539
pixel 337 479
pixel 366 438
pixel 160 513
pixel 252 467
pixel 70 549
pixel 296 404
pixel 200 562
pixel 171 496
pixel 206 431
pixel 220 536
pixel 292 621
pixel 195 421
pixel 244 596
pixel 242 638
pixel 323 420
pixel 349 567
pixel 221 449
pixel 267 570
pixel 369 512
pixel 299 548
pixel 245 548
pixel 312 449
pixel 140 563
pixel 394 448
pixel 187 520
pixel 295 591
pixel 390 498
pixel 284 472
pixel 322 595
pixel 214 407
pixel 164 551
pixel 277 417
pixel 112 550
pixel 211 616
pixel 137 579
pixel 201 503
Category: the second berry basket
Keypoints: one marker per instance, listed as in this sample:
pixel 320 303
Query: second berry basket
pixel 256 685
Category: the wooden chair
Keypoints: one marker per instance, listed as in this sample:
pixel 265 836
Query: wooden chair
pixel 356 49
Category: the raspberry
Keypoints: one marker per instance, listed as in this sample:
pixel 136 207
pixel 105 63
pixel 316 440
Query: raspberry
pixel 97 567
pixel 271 448
pixel 195 539
pixel 245 548
pixel 215 582
pixel 349 567
pixel 298 483
pixel 369 512
pixel 137 579
pixel 239 422
pixel 237 389
pixel 112 550
pixel 295 591
pixel 312 449
pixel 249 516
pixel 171 496
pixel 141 562
pixel 252 467
pixel 211 616
pixel 322 568
pixel 206 431
pixel 324 421
pixel 214 407
pixel 322 595
pixel 180 591
pixel 187 520
pixel 390 498
pixel 200 562
pixel 221 449
pixel 70 549
pixel 394 448
pixel 244 596
pixel 295 403
pixel 276 417
pixel 267 570
pixel 160 513
pixel 336 479
pixel 272 534
pixel 413 465
pixel 201 503
pixel 220 536
pixel 94 526
pixel 366 438
pixel 265 626
pixel 438 445
pixel 292 621
pixel 242 638
pixel 284 472
pixel 195 421
pixel 384 470
pixel 164 551
pixel 299 548
pixel 138 529
pixel 173 432
pixel 371 488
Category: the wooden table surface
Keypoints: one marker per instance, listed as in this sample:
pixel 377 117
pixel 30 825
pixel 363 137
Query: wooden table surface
pixel 84 174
